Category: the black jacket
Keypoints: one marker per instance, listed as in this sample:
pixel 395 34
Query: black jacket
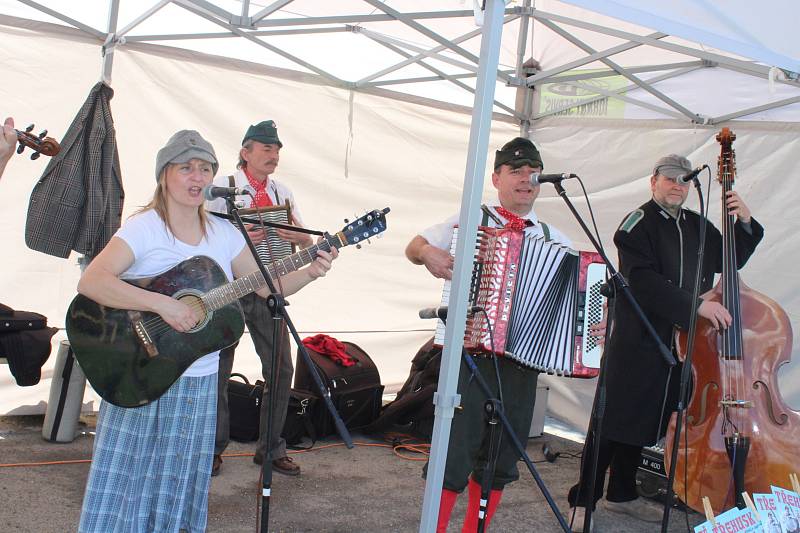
pixel 658 257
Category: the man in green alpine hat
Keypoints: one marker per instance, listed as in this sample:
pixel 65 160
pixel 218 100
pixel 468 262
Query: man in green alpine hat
pixel 258 159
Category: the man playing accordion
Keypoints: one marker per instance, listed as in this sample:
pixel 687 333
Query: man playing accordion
pixel 468 448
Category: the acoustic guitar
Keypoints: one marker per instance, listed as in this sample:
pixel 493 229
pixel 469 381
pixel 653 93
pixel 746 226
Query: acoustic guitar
pixel 132 357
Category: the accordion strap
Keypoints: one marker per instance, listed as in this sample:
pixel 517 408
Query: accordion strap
pixel 546 231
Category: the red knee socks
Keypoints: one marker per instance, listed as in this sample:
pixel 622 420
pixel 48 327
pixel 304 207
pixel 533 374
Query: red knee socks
pixel 446 504
pixel 471 520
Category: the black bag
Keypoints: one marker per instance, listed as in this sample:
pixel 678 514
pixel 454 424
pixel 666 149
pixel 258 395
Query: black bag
pixel 412 409
pixel 356 391
pixel 25 342
pixel 11 320
pixel 244 402
pixel 299 424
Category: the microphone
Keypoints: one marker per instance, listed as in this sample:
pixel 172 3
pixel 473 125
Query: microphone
pixel 690 176
pixel 210 192
pixel 441 312
pixel 537 178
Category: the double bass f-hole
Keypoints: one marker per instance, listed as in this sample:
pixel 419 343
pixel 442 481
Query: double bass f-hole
pixel 777 419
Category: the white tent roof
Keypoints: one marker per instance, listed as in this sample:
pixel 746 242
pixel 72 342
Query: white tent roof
pixel 411 48
pixel 760 31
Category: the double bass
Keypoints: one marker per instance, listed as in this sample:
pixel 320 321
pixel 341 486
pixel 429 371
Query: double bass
pixel 739 433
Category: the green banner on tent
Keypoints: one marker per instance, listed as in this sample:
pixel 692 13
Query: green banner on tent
pixel 581 98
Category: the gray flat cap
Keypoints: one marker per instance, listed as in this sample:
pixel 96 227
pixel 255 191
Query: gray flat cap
pixel 672 166
pixel 184 146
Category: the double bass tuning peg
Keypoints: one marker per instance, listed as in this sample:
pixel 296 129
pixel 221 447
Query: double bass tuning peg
pixel 29 129
pixel 41 135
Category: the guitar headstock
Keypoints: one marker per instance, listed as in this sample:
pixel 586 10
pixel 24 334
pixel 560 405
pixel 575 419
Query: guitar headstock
pixel 369 225
pixel 40 145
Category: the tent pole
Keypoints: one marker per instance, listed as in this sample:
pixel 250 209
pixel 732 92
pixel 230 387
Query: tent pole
pixel 447 398
pixel 524 91
pixel 108 46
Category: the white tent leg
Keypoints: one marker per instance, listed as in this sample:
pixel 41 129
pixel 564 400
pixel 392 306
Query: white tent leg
pixel 447 398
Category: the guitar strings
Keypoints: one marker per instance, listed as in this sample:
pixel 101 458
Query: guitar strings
pixel 157 325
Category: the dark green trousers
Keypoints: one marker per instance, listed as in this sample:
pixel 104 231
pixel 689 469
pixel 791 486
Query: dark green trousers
pixel 469 433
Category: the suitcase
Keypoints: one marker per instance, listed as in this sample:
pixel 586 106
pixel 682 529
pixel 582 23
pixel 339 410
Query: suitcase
pixel 356 391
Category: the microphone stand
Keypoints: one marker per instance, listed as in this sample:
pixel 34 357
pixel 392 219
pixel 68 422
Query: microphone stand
pixel 619 283
pixel 686 371
pixel 277 305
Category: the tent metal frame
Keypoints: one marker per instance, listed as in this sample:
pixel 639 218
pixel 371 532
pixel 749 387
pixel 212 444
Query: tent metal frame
pixel 446 61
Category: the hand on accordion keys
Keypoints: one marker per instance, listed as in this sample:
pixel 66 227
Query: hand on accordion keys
pixel 598 330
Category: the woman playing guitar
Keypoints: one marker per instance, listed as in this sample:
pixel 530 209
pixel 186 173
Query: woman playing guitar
pixel 151 465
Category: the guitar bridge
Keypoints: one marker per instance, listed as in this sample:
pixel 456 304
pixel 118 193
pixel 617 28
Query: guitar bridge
pixel 141 332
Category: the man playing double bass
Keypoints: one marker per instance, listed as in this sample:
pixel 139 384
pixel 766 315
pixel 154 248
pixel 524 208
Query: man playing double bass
pixel 657 245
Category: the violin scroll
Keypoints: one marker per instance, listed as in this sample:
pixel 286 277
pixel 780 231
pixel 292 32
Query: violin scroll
pixel 39 144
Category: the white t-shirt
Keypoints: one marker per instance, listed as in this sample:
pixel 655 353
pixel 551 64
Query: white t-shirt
pixel 156 250
pixel 441 235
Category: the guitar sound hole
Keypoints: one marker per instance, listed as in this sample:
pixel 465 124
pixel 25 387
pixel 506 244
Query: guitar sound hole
pixel 194 301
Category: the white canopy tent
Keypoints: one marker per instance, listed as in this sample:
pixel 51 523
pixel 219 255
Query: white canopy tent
pixel 373 107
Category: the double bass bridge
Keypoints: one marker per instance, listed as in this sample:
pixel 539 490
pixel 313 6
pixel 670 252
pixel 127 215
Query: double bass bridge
pixel 738 404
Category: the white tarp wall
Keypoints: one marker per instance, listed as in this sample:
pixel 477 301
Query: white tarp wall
pixel 404 156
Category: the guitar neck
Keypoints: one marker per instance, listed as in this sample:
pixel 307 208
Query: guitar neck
pixel 230 292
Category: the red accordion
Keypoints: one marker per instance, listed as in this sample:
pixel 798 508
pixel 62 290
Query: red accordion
pixel 539 298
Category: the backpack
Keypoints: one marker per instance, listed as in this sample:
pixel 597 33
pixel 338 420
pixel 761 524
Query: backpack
pixel 412 410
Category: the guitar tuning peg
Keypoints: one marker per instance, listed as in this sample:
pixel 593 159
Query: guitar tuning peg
pixel 41 135
pixel 29 129
pixel 358 246
pixel 346 221
pixel 35 155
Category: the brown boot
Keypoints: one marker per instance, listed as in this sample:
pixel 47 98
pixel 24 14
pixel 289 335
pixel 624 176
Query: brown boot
pixel 286 466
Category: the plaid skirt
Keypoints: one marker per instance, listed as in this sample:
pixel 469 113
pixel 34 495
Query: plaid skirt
pixel 151 465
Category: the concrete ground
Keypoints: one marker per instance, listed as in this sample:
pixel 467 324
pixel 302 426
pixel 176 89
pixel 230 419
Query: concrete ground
pixel 371 488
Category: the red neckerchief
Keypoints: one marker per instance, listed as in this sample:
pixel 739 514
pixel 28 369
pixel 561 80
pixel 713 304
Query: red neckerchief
pixel 514 221
pixel 261 199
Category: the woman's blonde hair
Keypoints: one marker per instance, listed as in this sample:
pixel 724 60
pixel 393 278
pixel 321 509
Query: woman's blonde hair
pixel 159 204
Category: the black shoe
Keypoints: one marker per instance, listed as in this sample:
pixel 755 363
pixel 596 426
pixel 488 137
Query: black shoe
pixel 216 465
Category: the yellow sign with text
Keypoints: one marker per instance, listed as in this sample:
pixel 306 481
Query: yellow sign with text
pixel 582 98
